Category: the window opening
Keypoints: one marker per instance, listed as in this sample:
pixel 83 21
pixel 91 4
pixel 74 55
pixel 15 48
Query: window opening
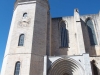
pixel 91 32
pixel 21 40
pixel 63 34
pixel 17 68
pixel 24 15
pixel 94 68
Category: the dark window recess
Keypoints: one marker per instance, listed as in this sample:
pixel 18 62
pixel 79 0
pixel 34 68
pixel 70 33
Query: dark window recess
pixel 17 68
pixel 63 34
pixel 91 32
pixel 24 15
pixel 21 40
pixel 94 68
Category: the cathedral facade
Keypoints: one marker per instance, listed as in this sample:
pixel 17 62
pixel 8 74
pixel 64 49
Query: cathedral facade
pixel 40 45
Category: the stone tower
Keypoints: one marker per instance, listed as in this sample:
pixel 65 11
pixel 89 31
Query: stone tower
pixel 26 45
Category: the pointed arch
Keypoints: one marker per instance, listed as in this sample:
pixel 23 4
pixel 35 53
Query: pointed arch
pixel 17 68
pixel 91 31
pixel 63 34
pixel 21 40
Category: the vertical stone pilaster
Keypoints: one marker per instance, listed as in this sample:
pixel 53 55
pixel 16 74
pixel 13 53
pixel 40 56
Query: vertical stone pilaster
pixel 87 64
pixel 79 34
pixel 45 65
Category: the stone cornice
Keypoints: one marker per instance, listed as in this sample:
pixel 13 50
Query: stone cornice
pixel 31 2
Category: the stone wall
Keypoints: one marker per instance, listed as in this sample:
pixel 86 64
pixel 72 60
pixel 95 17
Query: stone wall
pixel 91 49
pixel 34 27
pixel 74 45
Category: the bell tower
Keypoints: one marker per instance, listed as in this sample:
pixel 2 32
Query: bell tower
pixel 26 45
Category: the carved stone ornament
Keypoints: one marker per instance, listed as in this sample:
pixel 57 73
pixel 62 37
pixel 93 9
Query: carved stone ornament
pixel 24 23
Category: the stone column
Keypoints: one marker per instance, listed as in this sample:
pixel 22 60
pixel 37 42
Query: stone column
pixel 87 64
pixel 79 34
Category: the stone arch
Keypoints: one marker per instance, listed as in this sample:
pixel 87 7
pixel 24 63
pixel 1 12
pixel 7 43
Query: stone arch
pixel 88 19
pixel 66 66
pixel 64 22
pixel 21 40
pixel 17 68
pixel 25 15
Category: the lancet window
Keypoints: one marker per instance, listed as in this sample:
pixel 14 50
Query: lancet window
pixel 63 34
pixel 91 32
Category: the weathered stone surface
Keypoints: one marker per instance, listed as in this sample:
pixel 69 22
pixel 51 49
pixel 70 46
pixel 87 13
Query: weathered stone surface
pixel 42 42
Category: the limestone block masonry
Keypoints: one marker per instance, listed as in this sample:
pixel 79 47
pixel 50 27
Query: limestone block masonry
pixel 67 45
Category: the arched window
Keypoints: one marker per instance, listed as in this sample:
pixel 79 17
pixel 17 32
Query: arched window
pixel 91 32
pixel 63 34
pixel 24 15
pixel 21 40
pixel 17 68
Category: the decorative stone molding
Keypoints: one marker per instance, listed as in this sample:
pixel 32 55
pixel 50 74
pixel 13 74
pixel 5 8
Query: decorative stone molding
pixel 67 66
pixel 24 22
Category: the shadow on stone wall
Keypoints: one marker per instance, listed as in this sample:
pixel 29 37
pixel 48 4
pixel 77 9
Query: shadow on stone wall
pixel 88 39
pixel 94 67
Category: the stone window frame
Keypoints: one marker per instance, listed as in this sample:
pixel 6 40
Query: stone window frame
pixel 25 15
pixel 61 46
pixel 17 68
pixel 89 18
pixel 20 43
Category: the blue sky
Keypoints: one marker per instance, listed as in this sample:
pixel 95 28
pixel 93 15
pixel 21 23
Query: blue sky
pixel 58 8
